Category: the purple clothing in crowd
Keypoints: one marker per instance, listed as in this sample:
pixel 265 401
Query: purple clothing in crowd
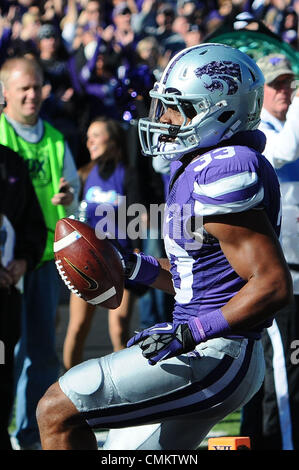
pixel 105 199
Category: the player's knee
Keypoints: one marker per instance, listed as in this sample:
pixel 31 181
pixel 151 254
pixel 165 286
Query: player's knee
pixel 54 409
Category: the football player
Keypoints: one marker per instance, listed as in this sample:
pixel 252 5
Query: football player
pixel 224 266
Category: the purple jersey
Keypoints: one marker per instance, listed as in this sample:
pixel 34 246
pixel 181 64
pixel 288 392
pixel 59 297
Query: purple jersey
pixel 223 180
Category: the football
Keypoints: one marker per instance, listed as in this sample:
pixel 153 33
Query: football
pixel 90 267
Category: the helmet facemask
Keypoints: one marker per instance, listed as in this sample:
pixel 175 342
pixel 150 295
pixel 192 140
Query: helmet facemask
pixel 157 137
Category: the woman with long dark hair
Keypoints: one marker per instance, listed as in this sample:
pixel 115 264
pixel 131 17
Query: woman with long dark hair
pixel 109 186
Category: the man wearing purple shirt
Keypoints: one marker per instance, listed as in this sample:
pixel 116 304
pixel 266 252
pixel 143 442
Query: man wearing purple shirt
pixel 224 266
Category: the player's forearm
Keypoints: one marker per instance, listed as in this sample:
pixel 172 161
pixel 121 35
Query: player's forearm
pixel 259 300
pixel 164 280
pixel 150 271
pixel 254 252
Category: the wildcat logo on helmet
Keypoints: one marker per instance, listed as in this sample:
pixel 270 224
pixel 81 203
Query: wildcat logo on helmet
pixel 215 73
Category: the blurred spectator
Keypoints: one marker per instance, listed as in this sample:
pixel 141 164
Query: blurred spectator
pixel 69 26
pixel 19 37
pixel 145 16
pixel 187 33
pixel 149 52
pixel 212 21
pixel 84 46
pixel 259 7
pixel 290 27
pixel 59 101
pixel 123 33
pixel 194 35
pixel 290 19
pixel 49 40
pixel 180 25
pixel 81 26
pixel 22 241
pixel 107 180
pixel 26 41
pixel 164 19
pixel 164 16
pixel 50 10
pixel 96 83
pixel 191 9
pixel 55 180
pixel 274 15
pixel 92 15
pixel 54 61
pixel 112 82
pixel 19 7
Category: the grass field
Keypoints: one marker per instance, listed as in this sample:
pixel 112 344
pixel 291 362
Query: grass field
pixel 230 425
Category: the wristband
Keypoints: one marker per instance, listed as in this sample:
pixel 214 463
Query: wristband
pixel 145 269
pixel 208 326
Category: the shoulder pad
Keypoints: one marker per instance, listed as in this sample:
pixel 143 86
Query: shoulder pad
pixel 226 180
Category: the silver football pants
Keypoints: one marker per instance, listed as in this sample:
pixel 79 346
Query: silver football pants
pixel 171 405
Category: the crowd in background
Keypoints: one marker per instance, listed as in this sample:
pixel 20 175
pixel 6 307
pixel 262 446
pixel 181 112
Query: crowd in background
pixel 101 57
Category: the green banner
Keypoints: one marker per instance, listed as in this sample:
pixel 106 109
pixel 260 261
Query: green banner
pixel 257 45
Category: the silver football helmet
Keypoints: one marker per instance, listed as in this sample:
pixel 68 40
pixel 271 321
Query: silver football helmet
pixel 217 89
